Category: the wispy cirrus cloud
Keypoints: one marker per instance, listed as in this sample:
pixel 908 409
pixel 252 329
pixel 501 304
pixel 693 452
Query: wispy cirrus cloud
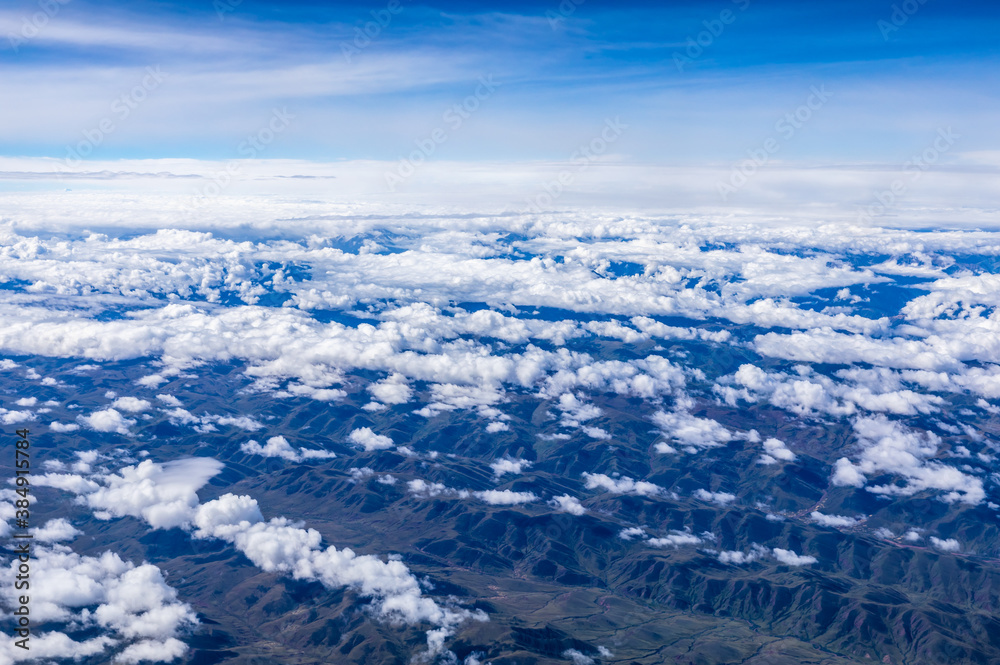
pixel 558 81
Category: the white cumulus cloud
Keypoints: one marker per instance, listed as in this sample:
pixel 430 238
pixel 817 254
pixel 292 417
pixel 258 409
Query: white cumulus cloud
pixel 369 440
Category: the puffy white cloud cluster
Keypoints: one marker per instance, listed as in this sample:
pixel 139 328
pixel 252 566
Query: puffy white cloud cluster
pixel 131 404
pixel 452 397
pixel 720 498
pixel 647 378
pixel 453 261
pixel 632 532
pixel 85 460
pixel 947 545
pixel 63 427
pixel 888 447
pixel 810 393
pixel 954 295
pixel 790 558
pixel 169 400
pixel 285 344
pixel 138 614
pixel 577 657
pixel 620 485
pixel 278 545
pixel 567 504
pixel 366 438
pixel 952 354
pixel 774 450
pixel 424 489
pixel 394 389
pixel 737 558
pixel 13 417
pixel 824 345
pixel 654 328
pixel 207 423
pixel 757 552
pixel 476 311
pixel 364 472
pixel 505 497
pixel 107 420
pixel 691 432
pixel 674 538
pixel 164 495
pixel 416 337
pixel 278 446
pixel 56 530
pixel 68 482
pixel 418 317
pixel 508 465
pixel 835 521
pixel 575 411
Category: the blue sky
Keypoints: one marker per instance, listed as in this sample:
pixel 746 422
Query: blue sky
pixel 559 76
